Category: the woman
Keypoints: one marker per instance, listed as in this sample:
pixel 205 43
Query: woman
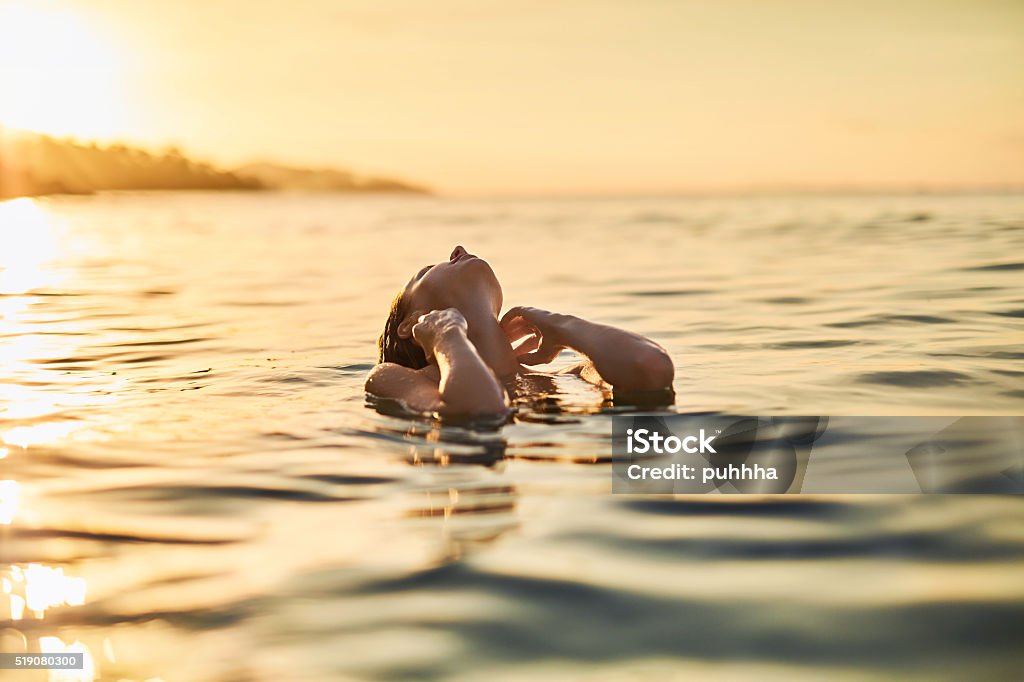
pixel 444 350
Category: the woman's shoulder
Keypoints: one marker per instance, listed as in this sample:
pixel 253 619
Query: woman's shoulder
pixel 388 375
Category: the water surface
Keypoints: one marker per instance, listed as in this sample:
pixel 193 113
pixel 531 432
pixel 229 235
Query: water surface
pixel 193 487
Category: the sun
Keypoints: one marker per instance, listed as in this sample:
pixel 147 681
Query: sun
pixel 57 74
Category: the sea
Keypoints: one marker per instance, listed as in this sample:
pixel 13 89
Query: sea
pixel 194 486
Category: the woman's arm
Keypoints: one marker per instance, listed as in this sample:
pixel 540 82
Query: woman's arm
pixel 466 385
pixel 627 361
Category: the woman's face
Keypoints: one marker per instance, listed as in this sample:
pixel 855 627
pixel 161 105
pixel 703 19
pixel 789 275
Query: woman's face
pixel 464 281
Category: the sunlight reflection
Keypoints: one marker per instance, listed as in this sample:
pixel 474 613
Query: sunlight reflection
pixel 32 239
pixel 40 434
pixel 28 402
pixel 38 588
pixel 55 645
pixel 18 351
pixel 46 587
pixel 8 501
pixel 21 402
pixel 28 241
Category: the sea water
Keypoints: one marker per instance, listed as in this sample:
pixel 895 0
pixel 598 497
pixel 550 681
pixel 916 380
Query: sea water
pixel 193 486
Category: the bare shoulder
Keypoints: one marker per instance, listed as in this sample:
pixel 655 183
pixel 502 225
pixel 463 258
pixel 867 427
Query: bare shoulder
pixel 393 380
pixel 415 388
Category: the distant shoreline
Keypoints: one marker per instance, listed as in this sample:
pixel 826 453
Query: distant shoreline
pixel 255 191
pixel 33 165
pixel 681 195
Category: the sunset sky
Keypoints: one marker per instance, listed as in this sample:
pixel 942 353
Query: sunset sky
pixel 474 96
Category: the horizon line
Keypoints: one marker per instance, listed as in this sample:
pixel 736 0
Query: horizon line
pixel 729 189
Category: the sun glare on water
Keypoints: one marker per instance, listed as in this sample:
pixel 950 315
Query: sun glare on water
pixel 28 246
pixel 57 75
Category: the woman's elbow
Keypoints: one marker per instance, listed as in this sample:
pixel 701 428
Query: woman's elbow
pixel 652 371
pixel 473 410
pixel 483 403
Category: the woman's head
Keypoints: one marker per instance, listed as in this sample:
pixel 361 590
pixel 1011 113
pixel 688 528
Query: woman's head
pixel 464 282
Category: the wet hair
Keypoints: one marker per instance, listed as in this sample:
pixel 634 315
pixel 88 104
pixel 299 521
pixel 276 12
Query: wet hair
pixel 393 348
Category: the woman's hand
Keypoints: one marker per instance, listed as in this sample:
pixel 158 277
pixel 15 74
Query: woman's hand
pixel 537 333
pixel 627 361
pixel 436 325
pixel 465 385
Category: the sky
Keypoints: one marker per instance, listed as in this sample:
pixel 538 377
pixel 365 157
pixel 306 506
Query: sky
pixel 569 97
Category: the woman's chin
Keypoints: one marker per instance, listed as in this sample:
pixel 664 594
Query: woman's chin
pixel 479 267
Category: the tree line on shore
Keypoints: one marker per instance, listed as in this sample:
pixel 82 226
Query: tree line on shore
pixel 35 165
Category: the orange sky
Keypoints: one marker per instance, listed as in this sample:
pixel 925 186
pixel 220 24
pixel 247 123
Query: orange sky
pixel 475 96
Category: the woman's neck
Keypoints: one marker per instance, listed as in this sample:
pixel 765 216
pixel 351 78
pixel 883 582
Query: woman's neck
pixel 491 342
